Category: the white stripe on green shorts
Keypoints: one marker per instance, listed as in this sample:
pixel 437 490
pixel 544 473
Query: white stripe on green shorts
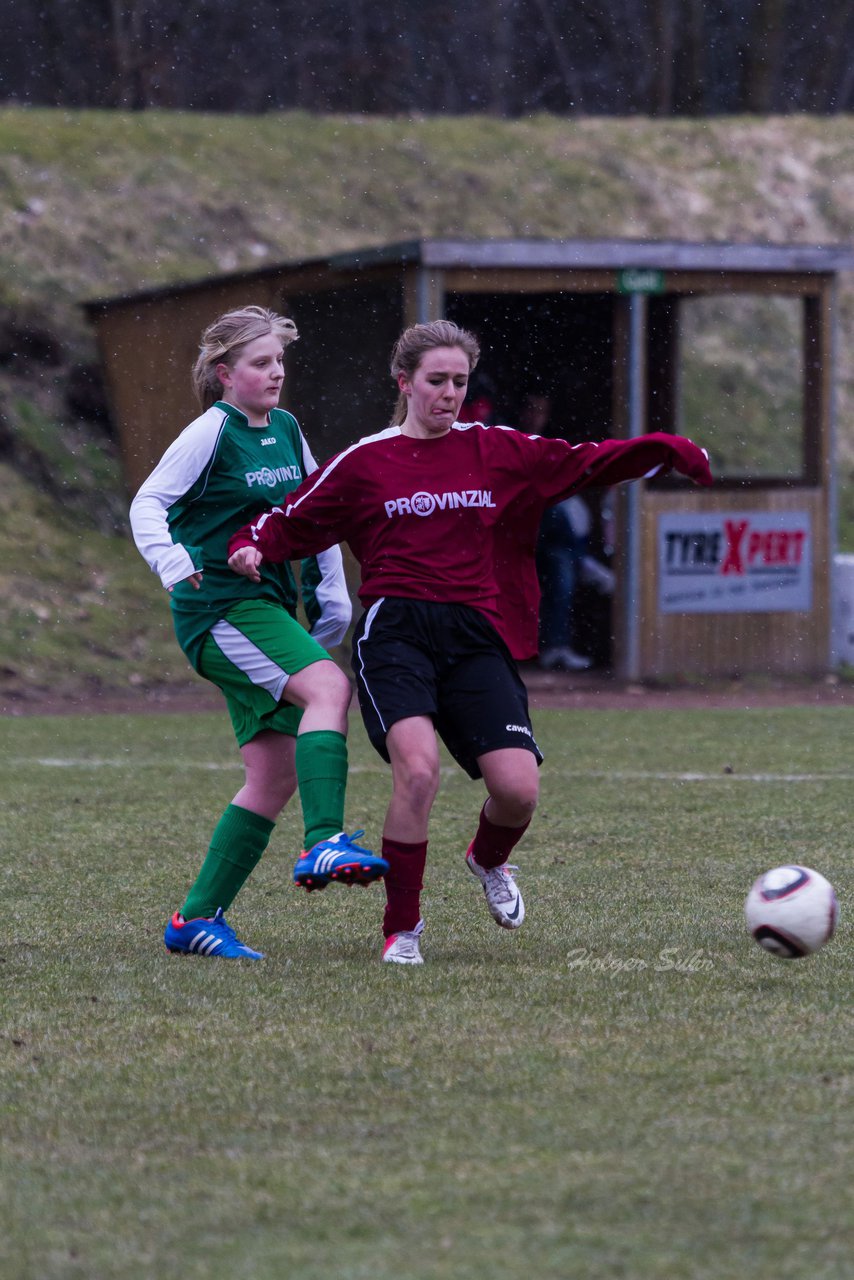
pixel 249 659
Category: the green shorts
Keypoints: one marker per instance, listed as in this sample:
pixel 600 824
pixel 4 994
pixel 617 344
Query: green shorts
pixel 249 654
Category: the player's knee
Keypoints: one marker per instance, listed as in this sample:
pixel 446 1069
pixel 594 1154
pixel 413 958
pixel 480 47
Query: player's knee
pixel 526 806
pixel 517 804
pixel 418 781
pixel 340 688
pixel 327 686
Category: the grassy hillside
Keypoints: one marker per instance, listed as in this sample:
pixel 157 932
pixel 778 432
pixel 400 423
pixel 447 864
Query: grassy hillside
pixel 98 203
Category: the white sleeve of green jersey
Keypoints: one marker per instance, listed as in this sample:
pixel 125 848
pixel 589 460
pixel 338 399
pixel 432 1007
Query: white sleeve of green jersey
pixel 333 599
pixel 176 472
pixel 331 594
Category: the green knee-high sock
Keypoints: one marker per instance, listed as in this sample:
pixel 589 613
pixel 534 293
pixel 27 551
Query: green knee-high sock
pixel 321 764
pixel 235 849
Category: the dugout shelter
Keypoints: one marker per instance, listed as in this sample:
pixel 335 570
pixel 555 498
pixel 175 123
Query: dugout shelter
pixel 731 344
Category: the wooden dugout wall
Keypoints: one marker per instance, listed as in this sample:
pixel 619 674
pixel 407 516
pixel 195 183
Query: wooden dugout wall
pixel 783 642
pixel 351 306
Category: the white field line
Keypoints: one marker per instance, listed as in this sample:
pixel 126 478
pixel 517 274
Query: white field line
pixel 639 775
pixel 96 762
pixel 604 775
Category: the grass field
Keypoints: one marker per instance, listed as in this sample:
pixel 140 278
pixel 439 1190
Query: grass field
pixel 628 1087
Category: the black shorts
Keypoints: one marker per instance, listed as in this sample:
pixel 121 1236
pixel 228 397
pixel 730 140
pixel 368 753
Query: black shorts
pixel 446 661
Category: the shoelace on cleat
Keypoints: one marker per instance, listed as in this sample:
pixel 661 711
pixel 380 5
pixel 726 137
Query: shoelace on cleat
pixel 406 944
pixel 221 923
pixel 496 884
pixel 229 934
pixel 350 842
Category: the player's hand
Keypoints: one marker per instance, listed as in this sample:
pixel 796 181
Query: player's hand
pixel 697 468
pixel 246 561
pixel 195 580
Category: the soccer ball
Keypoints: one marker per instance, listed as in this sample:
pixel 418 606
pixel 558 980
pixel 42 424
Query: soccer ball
pixel 791 911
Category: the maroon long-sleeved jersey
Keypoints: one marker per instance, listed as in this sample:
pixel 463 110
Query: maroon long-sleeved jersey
pixel 454 518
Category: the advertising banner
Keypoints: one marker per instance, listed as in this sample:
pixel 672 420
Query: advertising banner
pixel 734 562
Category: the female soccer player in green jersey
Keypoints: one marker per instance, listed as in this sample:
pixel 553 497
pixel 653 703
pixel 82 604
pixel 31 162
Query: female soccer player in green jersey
pixel 287 699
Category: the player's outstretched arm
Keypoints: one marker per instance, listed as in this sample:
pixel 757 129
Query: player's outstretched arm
pixel 609 462
pixel 285 535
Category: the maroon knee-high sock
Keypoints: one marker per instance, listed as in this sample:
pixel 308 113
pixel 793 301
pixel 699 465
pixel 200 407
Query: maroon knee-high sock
pixel 403 884
pixel 492 845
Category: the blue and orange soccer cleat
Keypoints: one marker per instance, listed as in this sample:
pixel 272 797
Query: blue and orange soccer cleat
pixel 203 937
pixel 338 860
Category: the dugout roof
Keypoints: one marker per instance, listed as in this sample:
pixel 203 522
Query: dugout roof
pixel 605 324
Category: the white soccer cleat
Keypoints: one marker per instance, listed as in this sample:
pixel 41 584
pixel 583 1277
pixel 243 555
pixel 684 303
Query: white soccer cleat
pixel 502 893
pixel 564 659
pixel 598 576
pixel 403 948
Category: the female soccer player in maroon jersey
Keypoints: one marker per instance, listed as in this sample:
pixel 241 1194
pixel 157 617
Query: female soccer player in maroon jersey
pixel 442 517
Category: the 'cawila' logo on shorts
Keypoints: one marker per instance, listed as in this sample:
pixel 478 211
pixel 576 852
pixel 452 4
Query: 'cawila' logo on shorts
pixel 424 504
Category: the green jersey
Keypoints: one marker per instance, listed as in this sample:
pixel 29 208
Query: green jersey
pixel 218 475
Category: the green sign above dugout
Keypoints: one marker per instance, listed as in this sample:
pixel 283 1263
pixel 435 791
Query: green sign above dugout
pixel 640 280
